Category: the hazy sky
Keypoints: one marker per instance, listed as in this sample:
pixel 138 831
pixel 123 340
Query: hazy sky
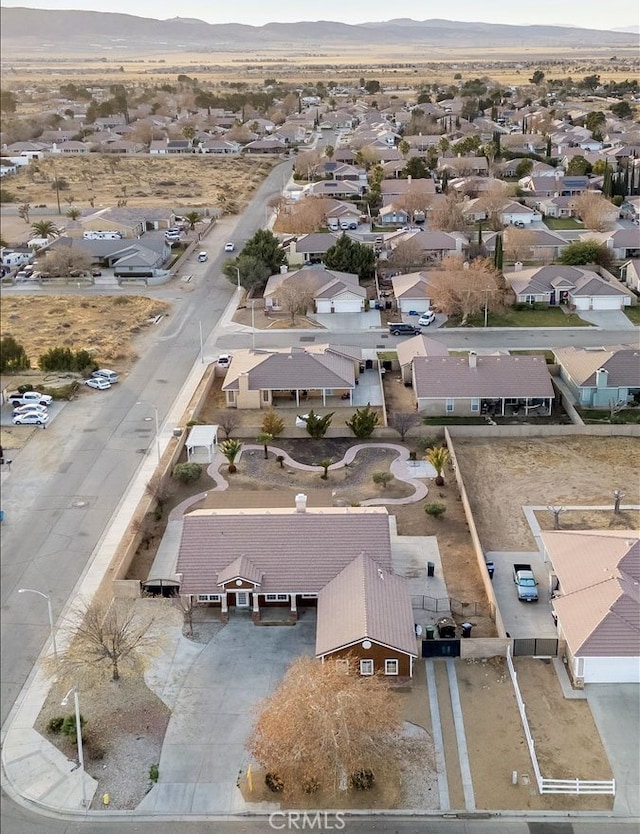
pixel 591 14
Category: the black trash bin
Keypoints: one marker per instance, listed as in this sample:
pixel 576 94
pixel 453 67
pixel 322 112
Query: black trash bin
pixel 429 632
pixel 369 364
pixel 431 569
pixel 387 364
pixel 466 629
pixel 490 569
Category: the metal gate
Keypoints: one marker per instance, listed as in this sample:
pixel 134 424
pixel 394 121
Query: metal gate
pixel 441 648
pixel 535 647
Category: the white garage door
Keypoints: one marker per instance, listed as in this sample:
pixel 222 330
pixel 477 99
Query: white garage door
pixel 612 669
pixel 608 303
pixel 419 305
pixel 348 305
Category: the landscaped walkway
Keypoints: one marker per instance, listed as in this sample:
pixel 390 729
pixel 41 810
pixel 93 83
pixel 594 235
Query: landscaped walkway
pixel 402 469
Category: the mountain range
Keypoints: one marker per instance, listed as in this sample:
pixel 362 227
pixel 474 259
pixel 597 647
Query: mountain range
pixel 73 31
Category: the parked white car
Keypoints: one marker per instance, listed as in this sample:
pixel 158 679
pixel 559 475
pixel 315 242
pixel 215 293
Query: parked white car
pixel 31 419
pixel 224 360
pixel 31 407
pixel 229 247
pixel 427 318
pixel 99 382
pixel 104 373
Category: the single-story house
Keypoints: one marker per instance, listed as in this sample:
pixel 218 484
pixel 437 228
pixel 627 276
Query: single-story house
pixel 598 377
pixel 517 213
pixel 332 291
pixel 311 248
pixel 556 206
pixel 630 274
pixel 408 349
pixel 365 619
pixel 594 580
pixel 491 385
pixel 171 146
pixel 624 243
pixel 436 245
pixel 412 292
pixel 462 165
pixel 554 186
pixel 335 188
pixel 394 215
pixel 291 376
pixel 252 560
pixel 266 146
pixel 555 284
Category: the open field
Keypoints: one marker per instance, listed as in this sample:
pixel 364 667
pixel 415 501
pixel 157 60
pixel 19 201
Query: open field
pixel 104 325
pixel 503 475
pixel 197 180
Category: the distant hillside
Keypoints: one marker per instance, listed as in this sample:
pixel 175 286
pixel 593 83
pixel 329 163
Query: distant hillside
pixel 68 31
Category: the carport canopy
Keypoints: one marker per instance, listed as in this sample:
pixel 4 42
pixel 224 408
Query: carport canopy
pixel 202 436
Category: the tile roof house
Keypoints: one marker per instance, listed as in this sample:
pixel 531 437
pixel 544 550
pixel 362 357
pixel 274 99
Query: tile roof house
pixel 412 292
pixel 595 579
pixel 332 291
pixel 575 286
pixel 476 385
pixel 408 349
pixel 598 377
pixel 329 557
pixel 262 378
pixel 311 248
pixel 365 618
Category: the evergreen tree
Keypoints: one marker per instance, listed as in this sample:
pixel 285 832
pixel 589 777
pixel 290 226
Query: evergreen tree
pixel 498 254
pixel 349 256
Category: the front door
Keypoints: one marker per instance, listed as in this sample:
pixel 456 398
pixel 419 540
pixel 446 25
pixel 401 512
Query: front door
pixel 242 599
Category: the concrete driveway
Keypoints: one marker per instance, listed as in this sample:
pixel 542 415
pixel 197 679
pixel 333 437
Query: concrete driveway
pixel 348 322
pixel 522 619
pixel 607 319
pixel 204 746
pixel 616 711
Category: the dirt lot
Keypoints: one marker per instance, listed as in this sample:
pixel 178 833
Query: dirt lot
pixel 501 476
pixel 105 326
pixel 567 741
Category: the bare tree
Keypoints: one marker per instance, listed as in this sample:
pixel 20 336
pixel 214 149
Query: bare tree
pixel 616 406
pixel 308 164
pixel 186 604
pixel 111 636
pixel 464 290
pixel 65 261
pixel 556 511
pixel 144 527
pixel 295 300
pixel 518 244
pixel 23 212
pixel 228 420
pixel 408 255
pixel 159 488
pixel 448 216
pixel 402 421
pixel 595 211
pixel 323 725
pixel 303 216
pixel 493 201
pixel 617 499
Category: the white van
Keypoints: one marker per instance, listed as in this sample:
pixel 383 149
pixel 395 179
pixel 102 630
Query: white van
pixel 105 373
pixel 202 257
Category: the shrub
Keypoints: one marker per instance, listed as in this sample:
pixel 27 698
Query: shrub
pixel 55 724
pixel 187 473
pixel 272 423
pixel 280 460
pixel 363 780
pixel 363 422
pixel 381 479
pixel 13 356
pixel 436 509
pixel 69 726
pixel 64 359
pixel 311 786
pixel 154 773
pixel 316 425
pixel 274 782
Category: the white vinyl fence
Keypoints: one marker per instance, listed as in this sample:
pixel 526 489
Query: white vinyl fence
pixel 566 786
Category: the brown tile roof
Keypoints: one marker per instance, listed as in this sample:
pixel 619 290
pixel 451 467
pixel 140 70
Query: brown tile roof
pixel 293 552
pixel 310 279
pixel 365 602
pixel 290 369
pixel 240 568
pixel 438 377
pixel 623 365
pixel 419 346
pixel 599 576
pixel 411 285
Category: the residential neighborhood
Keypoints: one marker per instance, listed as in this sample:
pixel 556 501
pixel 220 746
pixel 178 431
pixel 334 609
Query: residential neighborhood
pixel 319 414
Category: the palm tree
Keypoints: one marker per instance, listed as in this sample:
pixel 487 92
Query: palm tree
pixel 44 228
pixel 193 217
pixel 265 438
pixel 325 463
pixel 74 213
pixel 231 449
pixel 439 458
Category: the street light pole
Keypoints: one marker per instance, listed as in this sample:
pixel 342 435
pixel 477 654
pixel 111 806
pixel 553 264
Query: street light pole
pixel 63 703
pixel 50 610
pixel 201 345
pixel 253 324
pixel 237 269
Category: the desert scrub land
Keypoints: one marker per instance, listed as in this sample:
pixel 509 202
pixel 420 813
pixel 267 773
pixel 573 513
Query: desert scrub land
pixel 106 326
pixel 104 179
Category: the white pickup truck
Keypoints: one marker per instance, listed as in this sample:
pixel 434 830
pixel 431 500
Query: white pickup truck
pixel 29 398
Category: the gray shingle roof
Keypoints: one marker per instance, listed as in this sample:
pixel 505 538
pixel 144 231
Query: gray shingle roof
pixel 439 377
pixel 365 602
pixel 295 369
pixel 295 552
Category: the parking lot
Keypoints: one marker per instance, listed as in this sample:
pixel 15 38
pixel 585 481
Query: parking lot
pixel 6 414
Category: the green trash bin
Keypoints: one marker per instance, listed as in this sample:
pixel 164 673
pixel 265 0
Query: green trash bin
pixel 429 632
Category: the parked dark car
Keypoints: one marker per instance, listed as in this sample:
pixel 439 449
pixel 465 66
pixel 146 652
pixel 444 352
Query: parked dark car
pixel 402 329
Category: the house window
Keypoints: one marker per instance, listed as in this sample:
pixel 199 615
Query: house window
pixel 475 406
pixel 342 666
pixel 449 405
pixel 529 299
pixel 309 596
pixel 391 667
pixel 209 597
pixel 265 396
pixel 231 396
pixel 366 667
pixel 277 597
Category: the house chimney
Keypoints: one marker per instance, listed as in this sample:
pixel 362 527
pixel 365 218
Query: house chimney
pixel 517 267
pixel 473 359
pixel 301 503
pixel 602 378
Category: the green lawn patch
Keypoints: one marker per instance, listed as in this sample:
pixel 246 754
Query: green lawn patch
pixel 557 224
pixel 546 317
pixel 633 313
